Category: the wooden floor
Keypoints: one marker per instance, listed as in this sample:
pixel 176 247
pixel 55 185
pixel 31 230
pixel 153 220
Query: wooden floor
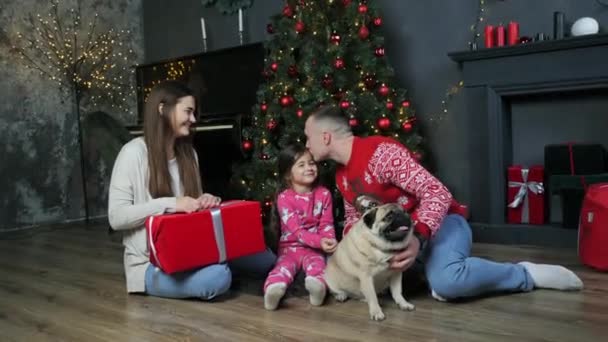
pixel 67 284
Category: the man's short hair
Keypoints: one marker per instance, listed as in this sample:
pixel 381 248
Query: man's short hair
pixel 331 117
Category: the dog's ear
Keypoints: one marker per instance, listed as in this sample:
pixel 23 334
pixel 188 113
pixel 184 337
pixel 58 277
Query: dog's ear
pixel 370 217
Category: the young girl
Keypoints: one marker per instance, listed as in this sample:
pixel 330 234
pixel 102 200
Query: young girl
pixel 156 174
pixel 307 231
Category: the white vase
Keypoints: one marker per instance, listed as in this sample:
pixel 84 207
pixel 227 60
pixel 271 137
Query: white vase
pixel 584 26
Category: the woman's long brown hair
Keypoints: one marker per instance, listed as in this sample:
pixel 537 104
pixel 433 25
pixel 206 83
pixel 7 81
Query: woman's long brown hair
pixel 158 131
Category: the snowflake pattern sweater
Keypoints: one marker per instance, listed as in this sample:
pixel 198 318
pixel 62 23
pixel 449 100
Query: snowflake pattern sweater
pixel 305 218
pixel 383 169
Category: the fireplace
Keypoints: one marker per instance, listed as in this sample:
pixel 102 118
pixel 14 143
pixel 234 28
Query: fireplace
pixel 498 82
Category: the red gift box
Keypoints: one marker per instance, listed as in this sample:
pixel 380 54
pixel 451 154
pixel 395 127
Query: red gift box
pixel 181 242
pixel 525 194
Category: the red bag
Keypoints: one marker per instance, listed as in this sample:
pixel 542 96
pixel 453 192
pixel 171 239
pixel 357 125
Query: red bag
pixel 181 242
pixel 593 227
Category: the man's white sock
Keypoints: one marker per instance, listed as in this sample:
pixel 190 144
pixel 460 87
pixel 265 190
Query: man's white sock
pixel 552 276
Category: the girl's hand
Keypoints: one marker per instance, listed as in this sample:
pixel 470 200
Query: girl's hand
pixel 187 204
pixel 329 245
pixel 207 201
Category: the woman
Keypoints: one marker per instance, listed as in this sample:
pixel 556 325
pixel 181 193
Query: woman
pixel 159 174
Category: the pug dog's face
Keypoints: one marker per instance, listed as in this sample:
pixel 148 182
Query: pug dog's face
pixel 388 221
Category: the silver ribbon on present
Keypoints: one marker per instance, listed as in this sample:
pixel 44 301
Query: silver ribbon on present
pixel 218 229
pixel 521 198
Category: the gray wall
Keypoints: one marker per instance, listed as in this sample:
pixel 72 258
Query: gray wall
pixel 39 159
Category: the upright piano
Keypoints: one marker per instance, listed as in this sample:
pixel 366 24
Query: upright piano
pixel 225 82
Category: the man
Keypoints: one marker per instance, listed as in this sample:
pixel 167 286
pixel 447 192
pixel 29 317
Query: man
pixel 382 169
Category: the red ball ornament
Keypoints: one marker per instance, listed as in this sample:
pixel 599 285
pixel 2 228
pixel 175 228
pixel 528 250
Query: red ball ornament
pixel 378 21
pixel 274 66
pixel 335 38
pixel 339 95
pixel 272 124
pixel 287 11
pixel 407 126
pixel 292 71
pixel 353 122
pixel 339 63
pixel 379 52
pixel 346 2
pixel 300 112
pixel 270 28
pixel 405 104
pixel 327 82
pixel 390 105
pixel 384 123
pixel 344 104
pixel 363 32
pixel 362 8
pixel 264 107
pixel 384 90
pixel 285 101
pixel 300 26
pixel 247 145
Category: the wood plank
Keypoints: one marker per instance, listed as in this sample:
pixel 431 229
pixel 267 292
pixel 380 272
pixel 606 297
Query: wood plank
pixel 68 284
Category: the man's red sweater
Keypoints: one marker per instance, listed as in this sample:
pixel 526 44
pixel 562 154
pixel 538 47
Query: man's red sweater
pixel 383 169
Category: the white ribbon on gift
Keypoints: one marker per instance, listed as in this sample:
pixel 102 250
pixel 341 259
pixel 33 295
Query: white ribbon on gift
pixel 218 230
pixel 522 195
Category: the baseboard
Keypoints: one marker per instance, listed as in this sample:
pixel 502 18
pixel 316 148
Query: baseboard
pixel 523 234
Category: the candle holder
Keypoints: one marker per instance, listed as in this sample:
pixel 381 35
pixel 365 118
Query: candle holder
pixel 204 44
pixel 241 38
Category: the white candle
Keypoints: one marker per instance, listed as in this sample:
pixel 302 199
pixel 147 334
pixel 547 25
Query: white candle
pixel 203 27
pixel 240 20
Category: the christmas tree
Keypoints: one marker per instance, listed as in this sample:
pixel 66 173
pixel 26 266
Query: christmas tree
pixel 321 52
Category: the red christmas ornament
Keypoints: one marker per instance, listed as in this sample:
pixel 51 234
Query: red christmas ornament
pixel 344 104
pixel 346 2
pixel 362 8
pixel 363 32
pixel 264 107
pixel 378 21
pixel 353 122
pixel 247 145
pixel 339 63
pixel 274 66
pixel 370 81
pixel 292 71
pixel 285 101
pixel 407 126
pixel 384 90
pixel 390 105
pixel 300 112
pixel 271 125
pixel 269 28
pixel 300 26
pixel 327 82
pixel 379 52
pixel 335 38
pixel 405 104
pixel 384 123
pixel 287 11
pixel 339 95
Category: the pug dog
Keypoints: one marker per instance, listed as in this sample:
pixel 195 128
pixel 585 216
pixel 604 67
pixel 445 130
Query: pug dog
pixel 359 268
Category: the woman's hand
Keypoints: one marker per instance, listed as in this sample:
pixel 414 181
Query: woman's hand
pixel 405 259
pixel 187 204
pixel 207 201
pixel 329 245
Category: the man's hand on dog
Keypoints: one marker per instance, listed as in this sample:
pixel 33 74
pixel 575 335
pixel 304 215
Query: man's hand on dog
pixel 405 259
pixel 329 245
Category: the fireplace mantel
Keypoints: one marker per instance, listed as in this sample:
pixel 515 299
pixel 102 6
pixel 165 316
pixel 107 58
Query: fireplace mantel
pixel 494 76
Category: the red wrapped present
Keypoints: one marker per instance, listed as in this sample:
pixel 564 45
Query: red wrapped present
pixel 525 195
pixel 181 242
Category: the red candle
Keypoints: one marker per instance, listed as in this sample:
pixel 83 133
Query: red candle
pixel 513 33
pixel 489 36
pixel 500 35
